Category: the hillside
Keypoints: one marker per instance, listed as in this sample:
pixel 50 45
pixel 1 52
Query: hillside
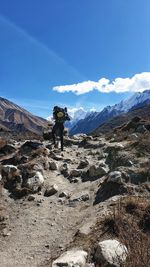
pixel 16 119
pixel 142 110
pixel 95 119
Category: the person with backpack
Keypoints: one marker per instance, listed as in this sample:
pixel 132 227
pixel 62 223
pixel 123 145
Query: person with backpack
pixel 60 115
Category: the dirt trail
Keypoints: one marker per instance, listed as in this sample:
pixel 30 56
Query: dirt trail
pixel 41 228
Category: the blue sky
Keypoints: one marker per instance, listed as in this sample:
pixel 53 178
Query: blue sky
pixel 72 52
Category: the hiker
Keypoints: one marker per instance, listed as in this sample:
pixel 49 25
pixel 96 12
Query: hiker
pixel 60 115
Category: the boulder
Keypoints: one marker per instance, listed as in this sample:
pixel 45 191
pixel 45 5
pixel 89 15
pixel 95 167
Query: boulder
pixel 52 166
pixel 36 182
pixel 111 252
pixel 28 146
pixel 71 258
pixel 75 173
pixel 9 171
pixel 115 177
pixel 83 164
pixel 47 134
pixel 110 187
pixel 98 171
pixel 6 149
pixel 51 191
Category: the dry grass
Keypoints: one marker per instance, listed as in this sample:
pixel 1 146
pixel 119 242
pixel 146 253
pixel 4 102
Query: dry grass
pixel 130 223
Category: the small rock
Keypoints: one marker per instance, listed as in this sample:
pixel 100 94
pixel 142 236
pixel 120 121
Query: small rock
pixel 75 173
pixel 115 177
pixel 86 228
pixel 63 194
pixel 31 198
pixel 51 191
pixel 76 258
pixel 75 180
pixel 98 171
pixel 36 182
pixel 83 164
pixel 81 196
pixel 55 157
pixel 114 146
pixel 53 166
pixel 133 136
pixel 6 233
pixel 47 246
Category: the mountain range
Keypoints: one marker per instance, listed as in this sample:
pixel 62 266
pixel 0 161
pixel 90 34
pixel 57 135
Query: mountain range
pixel 16 119
pixel 96 119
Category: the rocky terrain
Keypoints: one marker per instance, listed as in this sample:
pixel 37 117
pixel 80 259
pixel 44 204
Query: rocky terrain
pixel 86 206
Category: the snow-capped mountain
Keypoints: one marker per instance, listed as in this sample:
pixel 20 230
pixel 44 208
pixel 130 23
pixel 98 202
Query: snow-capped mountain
pixel 76 115
pixel 95 119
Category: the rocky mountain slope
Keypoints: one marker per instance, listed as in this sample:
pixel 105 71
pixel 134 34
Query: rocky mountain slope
pixel 74 207
pixel 16 119
pixel 141 110
pixel 96 119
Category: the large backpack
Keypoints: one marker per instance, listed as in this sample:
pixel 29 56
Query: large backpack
pixel 60 114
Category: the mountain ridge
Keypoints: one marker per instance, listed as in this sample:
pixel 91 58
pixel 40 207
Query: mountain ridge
pixel 17 119
pixel 93 121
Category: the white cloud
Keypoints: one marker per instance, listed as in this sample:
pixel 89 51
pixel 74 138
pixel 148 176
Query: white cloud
pixel 138 83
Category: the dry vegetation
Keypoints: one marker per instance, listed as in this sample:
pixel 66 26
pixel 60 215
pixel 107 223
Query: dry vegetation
pixel 129 222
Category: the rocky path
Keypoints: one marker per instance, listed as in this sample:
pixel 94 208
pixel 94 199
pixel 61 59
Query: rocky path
pixel 42 228
pixel 39 227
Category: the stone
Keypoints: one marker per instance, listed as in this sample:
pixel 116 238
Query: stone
pixel 28 146
pixel 100 171
pixel 31 198
pixel 71 258
pixel 9 170
pixel 111 252
pixel 36 182
pixel 81 196
pixel 114 146
pixel 133 136
pixel 75 180
pixel 75 173
pixel 55 157
pixel 7 149
pixel 63 194
pixel 51 191
pixel 64 169
pixel 87 227
pixel 115 177
pixel 83 164
pixel 6 233
pixel 141 129
pixel 53 166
